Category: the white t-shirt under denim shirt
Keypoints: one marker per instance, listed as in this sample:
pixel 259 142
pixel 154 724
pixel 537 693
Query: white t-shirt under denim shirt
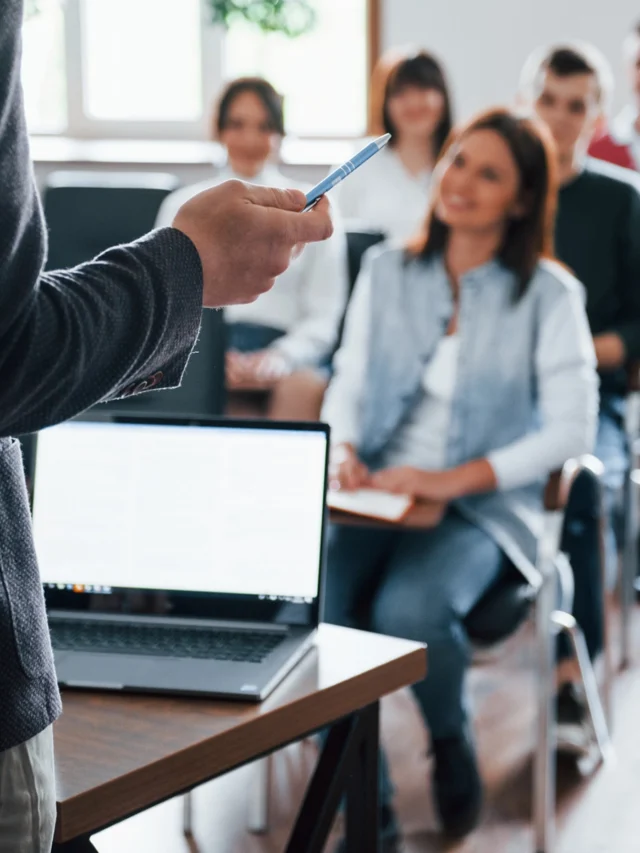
pixel 421 441
pixel 308 299
pixel 382 195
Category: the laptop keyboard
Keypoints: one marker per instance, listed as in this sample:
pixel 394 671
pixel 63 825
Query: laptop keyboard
pixel 162 641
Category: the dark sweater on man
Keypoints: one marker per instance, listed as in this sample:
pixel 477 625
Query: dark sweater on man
pixel 598 236
pixel 67 340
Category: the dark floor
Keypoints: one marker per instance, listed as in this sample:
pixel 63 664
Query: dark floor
pixel 597 814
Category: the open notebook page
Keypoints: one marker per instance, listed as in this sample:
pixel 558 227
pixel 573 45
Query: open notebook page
pixel 371 502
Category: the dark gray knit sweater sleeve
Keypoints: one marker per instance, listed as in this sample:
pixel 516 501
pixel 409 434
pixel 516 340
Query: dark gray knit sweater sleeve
pixel 69 339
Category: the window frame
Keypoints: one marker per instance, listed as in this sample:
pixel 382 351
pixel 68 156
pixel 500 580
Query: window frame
pixel 81 126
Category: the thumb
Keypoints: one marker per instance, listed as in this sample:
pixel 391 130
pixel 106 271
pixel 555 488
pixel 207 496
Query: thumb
pixel 292 200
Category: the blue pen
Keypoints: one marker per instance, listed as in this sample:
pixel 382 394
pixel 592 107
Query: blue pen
pixel 314 195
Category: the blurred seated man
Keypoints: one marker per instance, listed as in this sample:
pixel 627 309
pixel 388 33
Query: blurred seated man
pixel 466 375
pixel 597 235
pixel 275 343
pixel 620 143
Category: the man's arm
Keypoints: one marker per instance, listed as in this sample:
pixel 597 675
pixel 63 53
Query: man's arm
pixel 126 321
pixel 121 324
pixel 69 339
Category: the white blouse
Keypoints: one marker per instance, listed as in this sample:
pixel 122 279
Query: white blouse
pixel 421 442
pixel 384 196
pixel 308 300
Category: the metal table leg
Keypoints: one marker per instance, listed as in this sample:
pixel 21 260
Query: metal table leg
pixel 348 766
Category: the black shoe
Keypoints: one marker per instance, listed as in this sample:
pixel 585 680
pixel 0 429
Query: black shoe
pixel 390 836
pixel 574 732
pixel 457 786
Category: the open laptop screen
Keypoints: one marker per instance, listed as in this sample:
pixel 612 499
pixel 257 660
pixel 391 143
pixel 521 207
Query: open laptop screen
pixel 224 508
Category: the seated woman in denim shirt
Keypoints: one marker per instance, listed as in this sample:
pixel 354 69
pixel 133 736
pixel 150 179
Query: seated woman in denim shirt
pixel 466 375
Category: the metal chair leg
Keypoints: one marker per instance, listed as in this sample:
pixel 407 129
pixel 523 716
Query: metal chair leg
pixel 258 817
pixel 566 623
pixel 608 673
pixel 544 755
pixel 187 814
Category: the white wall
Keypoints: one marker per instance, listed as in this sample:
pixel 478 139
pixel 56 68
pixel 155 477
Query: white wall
pixel 483 43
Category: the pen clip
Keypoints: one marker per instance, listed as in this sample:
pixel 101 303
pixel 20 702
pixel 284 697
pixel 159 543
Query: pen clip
pixel 312 204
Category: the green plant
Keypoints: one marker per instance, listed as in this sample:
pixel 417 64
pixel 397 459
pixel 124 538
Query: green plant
pixel 291 17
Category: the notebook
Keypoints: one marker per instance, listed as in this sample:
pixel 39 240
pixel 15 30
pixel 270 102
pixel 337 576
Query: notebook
pixel 371 503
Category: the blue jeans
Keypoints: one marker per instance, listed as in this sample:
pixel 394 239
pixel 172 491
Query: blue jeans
pixel 580 536
pixel 419 585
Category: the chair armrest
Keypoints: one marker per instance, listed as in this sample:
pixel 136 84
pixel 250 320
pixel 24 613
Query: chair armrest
pixel 558 487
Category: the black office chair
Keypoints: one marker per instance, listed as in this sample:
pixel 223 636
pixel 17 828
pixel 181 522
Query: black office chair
pixel 87 212
pixel 357 244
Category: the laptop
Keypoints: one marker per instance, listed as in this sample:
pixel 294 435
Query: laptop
pixel 181 555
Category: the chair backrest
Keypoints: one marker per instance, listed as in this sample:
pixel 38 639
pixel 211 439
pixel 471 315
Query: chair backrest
pixel 357 244
pixel 87 212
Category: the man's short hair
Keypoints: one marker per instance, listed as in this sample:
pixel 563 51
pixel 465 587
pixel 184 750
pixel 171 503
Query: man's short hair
pixel 565 60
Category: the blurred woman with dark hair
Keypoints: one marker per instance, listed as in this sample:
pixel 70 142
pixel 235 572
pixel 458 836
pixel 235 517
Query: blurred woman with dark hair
pixel 275 343
pixel 466 375
pixel 410 100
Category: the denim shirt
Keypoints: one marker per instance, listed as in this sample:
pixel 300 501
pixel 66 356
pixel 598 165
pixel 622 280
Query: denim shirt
pixel 526 386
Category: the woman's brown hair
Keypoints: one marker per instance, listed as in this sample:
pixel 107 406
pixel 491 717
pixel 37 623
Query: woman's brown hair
pixel 272 102
pixel 527 238
pixel 396 70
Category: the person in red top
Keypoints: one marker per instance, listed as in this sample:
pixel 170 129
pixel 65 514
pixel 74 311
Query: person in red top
pixel 620 142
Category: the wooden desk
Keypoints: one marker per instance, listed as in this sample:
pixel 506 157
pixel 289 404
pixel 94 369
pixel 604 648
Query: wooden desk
pixel 117 754
pixel 421 516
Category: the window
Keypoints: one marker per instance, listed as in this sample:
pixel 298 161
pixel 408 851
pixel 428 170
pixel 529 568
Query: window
pixel 130 77
pixel 323 75
pixel 151 68
pixel 43 69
